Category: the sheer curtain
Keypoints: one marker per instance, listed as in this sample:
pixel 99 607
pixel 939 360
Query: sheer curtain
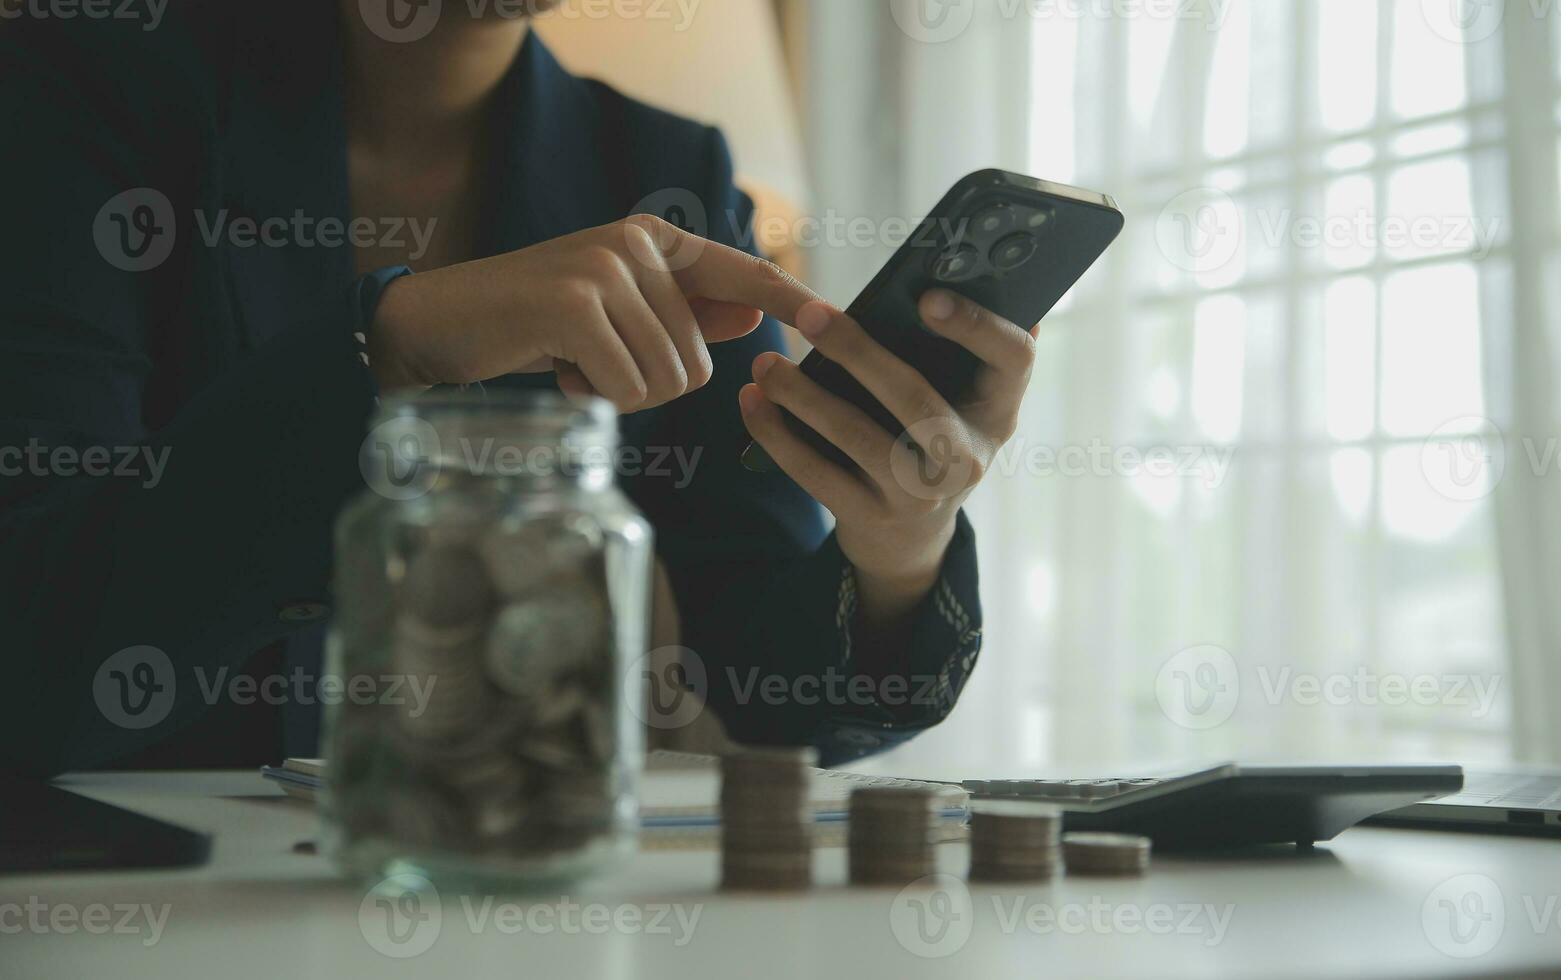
pixel 1286 484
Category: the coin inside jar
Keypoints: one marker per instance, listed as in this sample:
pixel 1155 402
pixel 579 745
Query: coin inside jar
pixel 533 643
pixel 447 586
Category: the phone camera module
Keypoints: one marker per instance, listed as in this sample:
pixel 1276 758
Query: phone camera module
pixel 1013 251
pixel 960 263
pixel 993 220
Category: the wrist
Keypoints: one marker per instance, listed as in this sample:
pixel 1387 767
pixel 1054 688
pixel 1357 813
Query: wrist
pixel 394 318
pixel 892 581
pixel 900 559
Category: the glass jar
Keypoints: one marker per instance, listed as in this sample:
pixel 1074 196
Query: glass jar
pixel 492 587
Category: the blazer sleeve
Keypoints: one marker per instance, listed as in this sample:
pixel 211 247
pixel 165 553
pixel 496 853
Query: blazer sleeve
pixel 210 528
pixel 766 597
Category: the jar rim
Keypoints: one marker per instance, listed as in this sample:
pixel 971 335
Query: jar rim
pixel 551 410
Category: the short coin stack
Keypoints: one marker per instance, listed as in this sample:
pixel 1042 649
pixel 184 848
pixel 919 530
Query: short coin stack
pixel 767 819
pixel 1012 840
pixel 1105 854
pixel 894 833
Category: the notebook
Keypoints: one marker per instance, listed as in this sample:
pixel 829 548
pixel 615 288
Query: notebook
pixel 679 798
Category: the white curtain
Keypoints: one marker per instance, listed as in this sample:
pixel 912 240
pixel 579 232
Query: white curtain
pixel 1282 488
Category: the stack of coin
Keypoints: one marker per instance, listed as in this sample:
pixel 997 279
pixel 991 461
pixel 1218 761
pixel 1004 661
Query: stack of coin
pixel 1012 840
pixel 1105 854
pixel 767 818
pixel 894 832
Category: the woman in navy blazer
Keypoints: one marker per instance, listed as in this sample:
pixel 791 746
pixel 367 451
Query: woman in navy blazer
pixel 197 311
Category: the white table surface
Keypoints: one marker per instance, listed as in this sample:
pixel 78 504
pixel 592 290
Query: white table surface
pixel 1373 902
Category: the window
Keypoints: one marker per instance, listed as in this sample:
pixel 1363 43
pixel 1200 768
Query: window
pixel 1311 313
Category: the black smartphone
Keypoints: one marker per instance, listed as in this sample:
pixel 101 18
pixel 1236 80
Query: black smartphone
pixel 45 828
pixel 1013 244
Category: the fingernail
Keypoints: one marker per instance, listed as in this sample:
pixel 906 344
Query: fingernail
pixel 940 305
pixel 762 366
pixel 812 319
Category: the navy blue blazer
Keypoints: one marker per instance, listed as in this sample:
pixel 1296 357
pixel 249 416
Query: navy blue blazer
pixel 235 367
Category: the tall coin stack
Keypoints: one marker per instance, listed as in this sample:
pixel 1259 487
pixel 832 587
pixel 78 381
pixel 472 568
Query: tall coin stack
pixel 1106 854
pixel 767 819
pixel 1011 840
pixel 894 833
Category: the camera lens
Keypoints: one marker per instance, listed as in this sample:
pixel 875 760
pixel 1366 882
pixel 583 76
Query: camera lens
pixel 994 220
pixel 1013 251
pixel 1040 219
pixel 957 264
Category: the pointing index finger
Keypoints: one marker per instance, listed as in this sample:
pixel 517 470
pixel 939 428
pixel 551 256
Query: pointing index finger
pixel 727 275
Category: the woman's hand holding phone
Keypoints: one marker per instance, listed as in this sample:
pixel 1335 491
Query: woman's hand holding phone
pixel 625 311
pixel 896 507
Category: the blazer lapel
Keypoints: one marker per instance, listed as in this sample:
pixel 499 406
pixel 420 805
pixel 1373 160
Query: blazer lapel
pixel 550 176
